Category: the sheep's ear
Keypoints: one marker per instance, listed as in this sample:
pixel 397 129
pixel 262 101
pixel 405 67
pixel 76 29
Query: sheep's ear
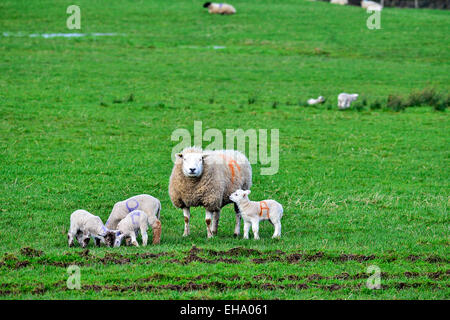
pixel 204 156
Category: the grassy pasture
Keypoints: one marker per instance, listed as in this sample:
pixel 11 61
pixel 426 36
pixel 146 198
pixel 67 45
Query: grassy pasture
pixel 358 188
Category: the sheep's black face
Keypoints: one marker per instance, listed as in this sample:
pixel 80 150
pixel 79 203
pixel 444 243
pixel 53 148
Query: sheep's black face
pixel 86 242
pixel 110 238
pixel 207 4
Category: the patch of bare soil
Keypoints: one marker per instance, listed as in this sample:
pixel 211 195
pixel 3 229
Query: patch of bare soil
pixel 30 252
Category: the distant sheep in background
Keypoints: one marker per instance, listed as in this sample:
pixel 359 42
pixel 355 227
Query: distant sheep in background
pixel 219 8
pixel 316 101
pixel 345 100
pixel 371 5
pixel 341 2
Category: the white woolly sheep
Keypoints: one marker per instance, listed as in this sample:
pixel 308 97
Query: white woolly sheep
pixel 219 8
pixel 345 100
pixel 207 178
pixel 371 5
pixel 144 202
pixel 134 222
pixel 83 226
pixel 341 2
pixel 150 205
pixel 254 211
pixel 320 99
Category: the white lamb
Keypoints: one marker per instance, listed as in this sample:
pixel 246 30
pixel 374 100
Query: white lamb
pixel 371 5
pixel 219 8
pixel 320 99
pixel 345 100
pixel 83 226
pixel 134 222
pixel 254 211
pixel 341 2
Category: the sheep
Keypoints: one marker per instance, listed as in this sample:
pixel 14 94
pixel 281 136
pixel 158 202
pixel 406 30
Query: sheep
pixel 144 202
pixel 371 5
pixel 254 211
pixel 345 99
pixel 320 99
pixel 134 222
pixel 341 2
pixel 207 178
pixel 83 226
pixel 219 8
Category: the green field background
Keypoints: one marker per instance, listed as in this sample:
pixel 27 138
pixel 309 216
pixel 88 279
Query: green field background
pixel 358 188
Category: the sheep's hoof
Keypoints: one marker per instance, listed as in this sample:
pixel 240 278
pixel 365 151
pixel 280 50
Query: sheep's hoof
pixel 236 235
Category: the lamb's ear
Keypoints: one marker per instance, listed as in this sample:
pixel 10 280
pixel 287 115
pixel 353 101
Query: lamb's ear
pixel 180 155
pixel 204 156
pixel 247 192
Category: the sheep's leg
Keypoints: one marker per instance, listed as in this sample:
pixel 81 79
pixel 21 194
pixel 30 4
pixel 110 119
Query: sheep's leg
pixel 277 232
pixel 144 235
pixel 215 225
pixel 237 228
pixel 133 239
pixel 97 241
pixel 187 217
pixel 85 239
pixel 246 228
pixel 255 228
pixel 208 218
pixel 156 231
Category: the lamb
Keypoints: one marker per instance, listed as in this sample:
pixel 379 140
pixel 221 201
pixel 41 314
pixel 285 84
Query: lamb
pixel 320 99
pixel 253 212
pixel 345 99
pixel 371 5
pixel 341 2
pixel 219 8
pixel 83 226
pixel 207 179
pixel 134 222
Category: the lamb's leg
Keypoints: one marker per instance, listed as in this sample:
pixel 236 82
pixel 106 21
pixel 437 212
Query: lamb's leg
pixel 144 237
pixel 187 217
pixel 208 218
pixel 277 232
pixel 255 228
pixel 70 236
pixel 97 241
pixel 85 240
pixel 246 228
pixel 237 228
pixel 133 239
pixel 215 225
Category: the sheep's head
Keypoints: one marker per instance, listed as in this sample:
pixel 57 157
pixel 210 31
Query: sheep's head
pixel 110 238
pixel 206 4
pixel 192 163
pixel 239 195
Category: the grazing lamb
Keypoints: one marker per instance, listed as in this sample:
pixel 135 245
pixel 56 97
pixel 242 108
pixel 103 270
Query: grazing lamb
pixel 207 178
pixel 219 8
pixel 144 202
pixel 345 100
pixel 134 222
pixel 341 2
pixel 83 226
pixel 320 99
pixel 371 5
pixel 253 212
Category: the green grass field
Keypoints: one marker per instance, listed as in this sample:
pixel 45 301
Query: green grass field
pixel 359 188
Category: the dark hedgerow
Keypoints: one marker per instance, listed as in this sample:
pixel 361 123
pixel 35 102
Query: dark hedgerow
pixel 395 103
pixel 375 105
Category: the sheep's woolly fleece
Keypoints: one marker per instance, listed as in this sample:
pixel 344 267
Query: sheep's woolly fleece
pixel 224 171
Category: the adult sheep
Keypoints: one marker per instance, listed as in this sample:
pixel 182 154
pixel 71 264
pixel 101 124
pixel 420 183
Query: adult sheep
pixel 207 179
